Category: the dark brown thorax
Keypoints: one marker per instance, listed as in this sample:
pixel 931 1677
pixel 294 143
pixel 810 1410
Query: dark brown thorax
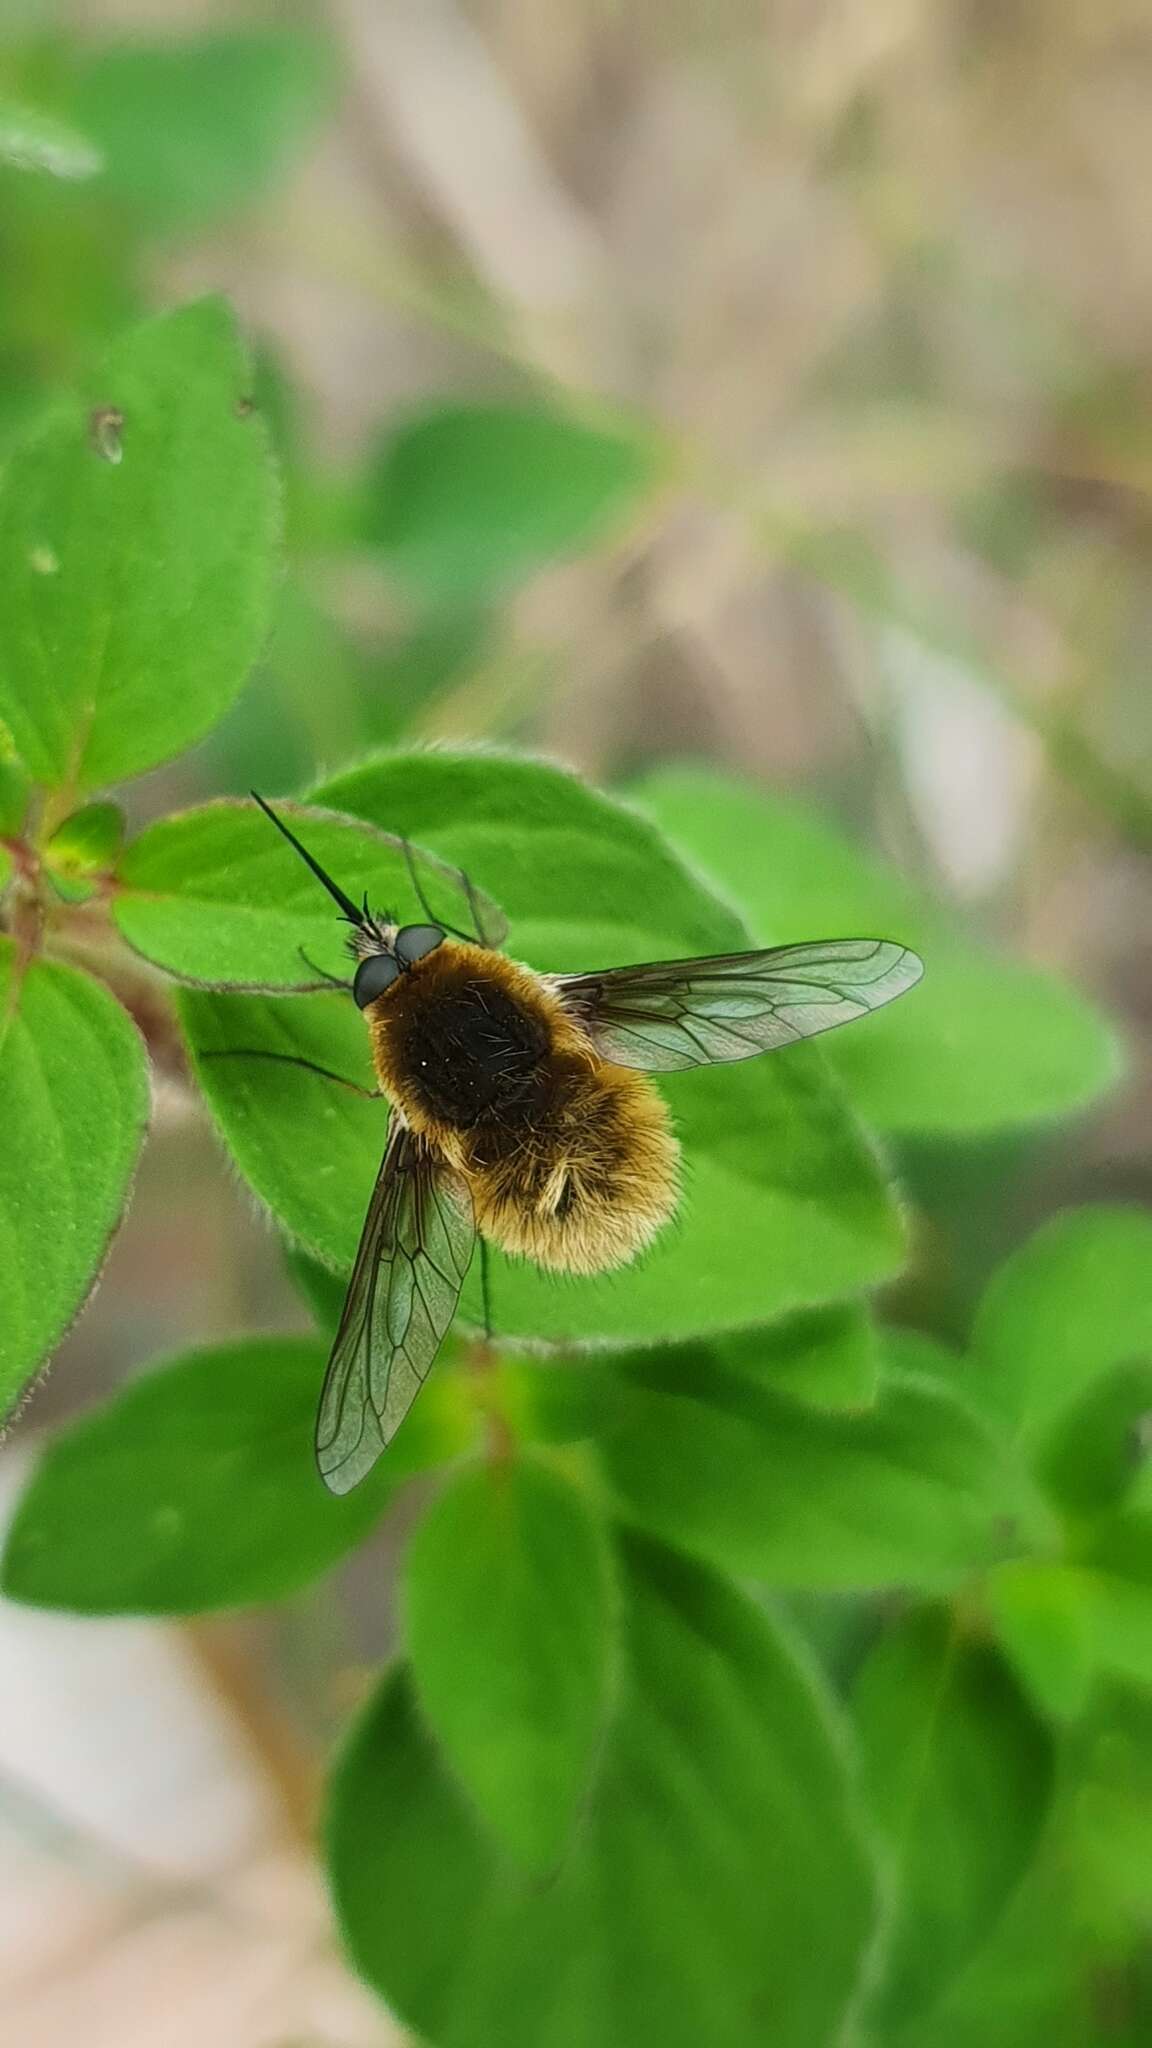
pixel 460 1042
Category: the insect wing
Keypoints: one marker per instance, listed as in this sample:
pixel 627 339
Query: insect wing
pixel 414 1252
pixel 674 1014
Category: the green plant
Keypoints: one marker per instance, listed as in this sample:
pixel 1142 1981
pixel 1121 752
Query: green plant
pixel 765 1677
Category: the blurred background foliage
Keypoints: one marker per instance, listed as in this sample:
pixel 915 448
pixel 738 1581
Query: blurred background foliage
pixel 670 384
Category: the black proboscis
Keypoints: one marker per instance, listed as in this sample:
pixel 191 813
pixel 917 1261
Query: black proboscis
pixel 347 907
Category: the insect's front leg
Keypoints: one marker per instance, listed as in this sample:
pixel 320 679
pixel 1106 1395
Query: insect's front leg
pixel 291 1059
pixel 325 979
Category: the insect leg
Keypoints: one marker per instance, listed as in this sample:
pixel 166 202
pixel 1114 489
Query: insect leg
pixel 474 907
pixel 433 916
pixel 485 1295
pixel 333 980
pixel 417 884
pixel 290 1059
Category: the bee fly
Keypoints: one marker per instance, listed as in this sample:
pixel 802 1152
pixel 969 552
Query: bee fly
pixel 520 1112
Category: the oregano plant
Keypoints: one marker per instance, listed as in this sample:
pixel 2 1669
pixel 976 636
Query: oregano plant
pixel 756 1655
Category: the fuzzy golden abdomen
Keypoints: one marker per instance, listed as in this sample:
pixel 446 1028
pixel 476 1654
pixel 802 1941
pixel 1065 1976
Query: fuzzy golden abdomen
pixel 586 1186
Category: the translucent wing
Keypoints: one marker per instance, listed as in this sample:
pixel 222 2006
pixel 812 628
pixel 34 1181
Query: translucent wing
pixel 691 1013
pixel 410 1266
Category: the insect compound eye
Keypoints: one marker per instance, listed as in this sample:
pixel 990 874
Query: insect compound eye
pixel 415 940
pixel 373 976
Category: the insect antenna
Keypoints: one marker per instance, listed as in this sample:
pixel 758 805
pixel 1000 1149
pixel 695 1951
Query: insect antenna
pixel 347 907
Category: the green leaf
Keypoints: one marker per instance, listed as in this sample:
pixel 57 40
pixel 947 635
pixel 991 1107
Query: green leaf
pixel 585 881
pixel 321 1289
pixel 1040 1611
pixel 31 140
pixel 310 1149
pixel 1063 1966
pixel 959 1773
pixel 466 498
pixel 195 1487
pixel 215 895
pixel 69 283
pixel 785 1206
pixel 15 790
pixel 138 539
pixel 1116 1562
pixel 913 1492
pixel 73 1108
pixel 192 128
pixel 1098 1454
pixel 719 1855
pixel 550 1398
pixel 980 1045
pixel 829 1356
pixel 509 1625
pixel 913 1351
pixel 1072 1304
pixel 1035 1983
pixel 1109 1818
pixel 87 842
pixel 280 724
pixel 442 647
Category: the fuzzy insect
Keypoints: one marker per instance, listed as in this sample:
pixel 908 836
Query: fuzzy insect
pixel 521 1113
